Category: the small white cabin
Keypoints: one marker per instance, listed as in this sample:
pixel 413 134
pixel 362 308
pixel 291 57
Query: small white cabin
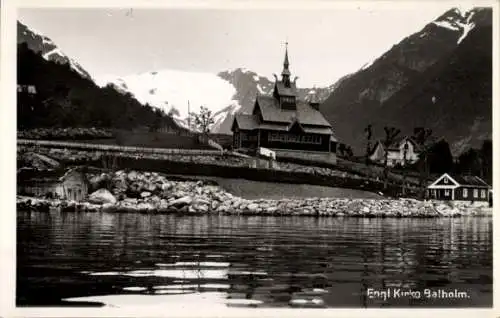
pixel 267 153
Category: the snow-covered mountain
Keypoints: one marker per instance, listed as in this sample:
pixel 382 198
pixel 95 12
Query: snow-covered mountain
pixel 178 92
pixel 47 48
pixel 225 93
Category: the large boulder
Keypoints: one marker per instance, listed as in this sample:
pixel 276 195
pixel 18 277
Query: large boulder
pixel 102 196
pixel 186 200
pixel 99 181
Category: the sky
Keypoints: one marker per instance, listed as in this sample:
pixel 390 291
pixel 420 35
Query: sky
pixel 323 45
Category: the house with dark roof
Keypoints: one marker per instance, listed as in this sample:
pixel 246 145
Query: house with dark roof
pixel 398 150
pixel 459 188
pixel 286 125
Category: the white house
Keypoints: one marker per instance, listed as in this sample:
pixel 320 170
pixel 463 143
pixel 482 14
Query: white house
pixel 396 152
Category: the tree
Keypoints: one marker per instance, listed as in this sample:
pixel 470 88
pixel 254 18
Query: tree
pixel 478 162
pixel 348 151
pixel 486 152
pixel 368 132
pixel 341 149
pixel 203 120
pixel 440 158
pixel 422 136
pixel 390 135
pixel 469 162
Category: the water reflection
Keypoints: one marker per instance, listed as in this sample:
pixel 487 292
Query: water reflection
pixel 250 261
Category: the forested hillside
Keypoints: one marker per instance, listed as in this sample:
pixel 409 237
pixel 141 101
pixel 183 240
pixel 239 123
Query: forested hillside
pixel 64 98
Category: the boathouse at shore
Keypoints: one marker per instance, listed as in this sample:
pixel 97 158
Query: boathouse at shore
pixel 288 126
pixel 68 185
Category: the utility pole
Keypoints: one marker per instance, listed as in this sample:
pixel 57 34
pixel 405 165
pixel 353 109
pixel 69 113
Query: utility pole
pixel 189 116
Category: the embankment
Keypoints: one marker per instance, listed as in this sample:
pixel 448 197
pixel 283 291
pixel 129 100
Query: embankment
pixel 148 192
pixel 206 163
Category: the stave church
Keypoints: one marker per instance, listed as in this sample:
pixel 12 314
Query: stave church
pixel 283 123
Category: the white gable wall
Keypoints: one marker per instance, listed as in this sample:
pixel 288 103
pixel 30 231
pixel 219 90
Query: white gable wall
pixel 397 156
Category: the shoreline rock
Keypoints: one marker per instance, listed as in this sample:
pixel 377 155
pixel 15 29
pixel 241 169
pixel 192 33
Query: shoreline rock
pixel 150 192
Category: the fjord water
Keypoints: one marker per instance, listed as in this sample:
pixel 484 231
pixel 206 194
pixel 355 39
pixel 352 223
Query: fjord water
pixel 66 258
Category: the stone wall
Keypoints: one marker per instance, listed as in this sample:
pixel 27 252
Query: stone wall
pixel 464 204
pixel 262 163
pixel 327 157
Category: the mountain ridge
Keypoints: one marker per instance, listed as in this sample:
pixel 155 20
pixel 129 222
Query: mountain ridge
pixel 366 94
pixel 44 46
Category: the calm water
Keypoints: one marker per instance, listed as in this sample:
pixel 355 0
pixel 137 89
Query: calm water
pixel 127 259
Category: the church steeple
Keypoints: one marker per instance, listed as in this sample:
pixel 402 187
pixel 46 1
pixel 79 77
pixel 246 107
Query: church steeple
pixel 285 74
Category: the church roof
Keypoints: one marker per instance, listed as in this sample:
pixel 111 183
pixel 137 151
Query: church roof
pixel 305 114
pixel 249 122
pixel 246 121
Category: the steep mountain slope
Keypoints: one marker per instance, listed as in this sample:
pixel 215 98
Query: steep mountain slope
pixel 47 48
pixel 363 98
pixel 454 96
pixel 64 98
pixel 224 93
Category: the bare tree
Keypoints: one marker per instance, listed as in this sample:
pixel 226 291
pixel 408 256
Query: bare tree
pixel 203 120
pixel 390 135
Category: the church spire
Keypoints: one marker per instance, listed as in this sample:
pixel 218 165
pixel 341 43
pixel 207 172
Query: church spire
pixel 286 72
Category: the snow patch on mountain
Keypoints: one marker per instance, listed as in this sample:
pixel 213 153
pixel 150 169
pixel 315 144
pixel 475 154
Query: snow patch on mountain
pixel 46 40
pixel 463 10
pixel 447 25
pixel 49 53
pixel 259 88
pixel 467 27
pixel 459 19
pixel 47 48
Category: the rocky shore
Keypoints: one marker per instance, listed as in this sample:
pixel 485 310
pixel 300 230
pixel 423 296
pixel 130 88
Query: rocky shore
pixel 147 192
